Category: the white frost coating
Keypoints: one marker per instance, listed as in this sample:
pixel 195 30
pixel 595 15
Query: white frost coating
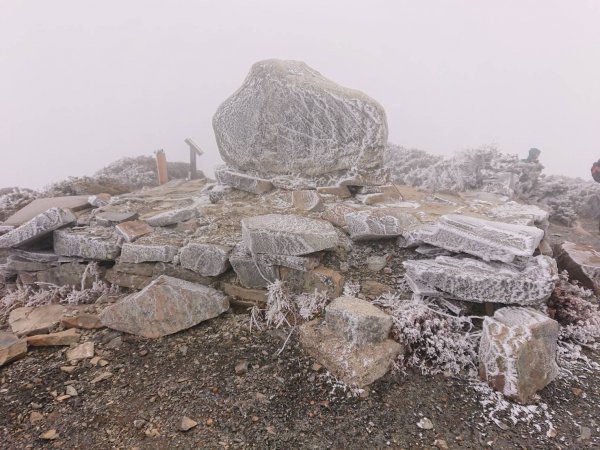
pixel 379 224
pixel 38 227
pixel 472 280
pixel 100 244
pixel 489 240
pixel 513 212
pixel 278 234
pixel 517 352
pixel 208 260
pixel 287 118
pixel 243 182
pixel 171 217
pixel 582 262
pixel 138 253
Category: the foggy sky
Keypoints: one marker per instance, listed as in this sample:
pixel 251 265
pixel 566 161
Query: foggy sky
pixel 84 83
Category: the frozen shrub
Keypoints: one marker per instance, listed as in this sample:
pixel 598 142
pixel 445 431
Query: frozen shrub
pixel 13 199
pixel 434 340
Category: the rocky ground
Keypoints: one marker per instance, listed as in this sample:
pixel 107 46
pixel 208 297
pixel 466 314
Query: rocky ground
pixel 244 393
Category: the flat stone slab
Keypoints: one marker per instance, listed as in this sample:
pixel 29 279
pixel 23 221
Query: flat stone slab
pixel 278 234
pixel 582 262
pixel 357 321
pixel 40 226
pixel 90 243
pixel 379 224
pixel 137 253
pixel 11 347
pixel 486 239
pixel 133 230
pixel 30 320
pixel 41 205
pixel 517 213
pixel 472 280
pixel 243 182
pixel 110 218
pixel 171 217
pixel 517 353
pixel 339 191
pixel 164 307
pixel 67 337
pixel 208 260
pixel 355 366
pixel 287 118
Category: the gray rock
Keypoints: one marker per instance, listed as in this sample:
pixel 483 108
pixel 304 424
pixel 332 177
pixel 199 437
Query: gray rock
pixel 250 272
pixel 306 200
pixel 208 260
pixel 517 353
pixel 472 280
pixel 376 263
pixel 379 224
pixel 513 212
pixel 357 321
pixel 582 262
pixel 40 226
pixel 287 234
pixel 110 218
pixel 90 243
pixel 171 217
pixel 488 240
pixel 137 253
pixel 243 182
pixel 302 263
pixel 338 191
pixel 164 307
pixel 288 119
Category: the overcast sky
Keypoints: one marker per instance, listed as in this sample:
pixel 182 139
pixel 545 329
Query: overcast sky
pixel 83 83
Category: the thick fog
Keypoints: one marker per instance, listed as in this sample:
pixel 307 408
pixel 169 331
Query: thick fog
pixel 84 83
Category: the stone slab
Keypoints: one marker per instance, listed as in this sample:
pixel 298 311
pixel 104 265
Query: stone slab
pixel 171 217
pixel 133 230
pixel 67 337
pixel 209 260
pixel 243 182
pixel 41 205
pixel 251 272
pixel 138 253
pixel 37 228
pixel 111 218
pixel 380 223
pixel 89 243
pixel 30 320
pixel 11 347
pixel 307 200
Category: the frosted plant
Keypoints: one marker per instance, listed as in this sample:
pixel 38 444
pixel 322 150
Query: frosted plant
pixel 351 289
pixel 434 340
pixel 13 199
pixel 310 305
pixel 280 305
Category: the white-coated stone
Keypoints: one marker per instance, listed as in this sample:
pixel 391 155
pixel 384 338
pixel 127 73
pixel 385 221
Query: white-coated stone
pixel 278 234
pixel 171 217
pixel 379 224
pixel 287 118
pixel 208 260
pixel 517 352
pixel 472 280
pixel 40 226
pixel 92 243
pixel 582 262
pixel 138 253
pixel 243 182
pixel 486 239
pixel 306 200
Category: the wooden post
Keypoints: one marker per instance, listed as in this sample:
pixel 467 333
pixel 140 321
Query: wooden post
pixel 194 151
pixel 161 165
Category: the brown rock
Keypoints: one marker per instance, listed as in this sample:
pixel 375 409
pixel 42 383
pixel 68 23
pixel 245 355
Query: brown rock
pixel 517 352
pixel 49 435
pixel 11 347
pixel 241 368
pixel 187 424
pixel 83 321
pixel 582 262
pixel 67 337
pixel 132 230
pixel 165 306
pixel 339 191
pixel 35 417
pixel 82 351
pixel 36 319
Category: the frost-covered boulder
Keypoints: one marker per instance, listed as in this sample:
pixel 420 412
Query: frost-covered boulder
pixel 478 281
pixel 517 352
pixel 486 239
pixel 40 226
pixel 287 118
pixel 379 224
pixel 279 234
pixel 90 243
pixel 582 262
pixel 208 260
pixel 171 217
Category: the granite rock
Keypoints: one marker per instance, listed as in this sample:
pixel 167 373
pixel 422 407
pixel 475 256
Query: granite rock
pixel 250 272
pixel 208 260
pixel 90 243
pixel 379 223
pixel 243 182
pixel 307 200
pixel 40 226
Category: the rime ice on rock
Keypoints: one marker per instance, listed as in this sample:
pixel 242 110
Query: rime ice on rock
pixel 582 262
pixel 378 224
pixel 208 260
pixel 278 234
pixel 306 200
pixel 513 212
pixel 472 280
pixel 165 306
pixel 352 342
pixel 38 227
pixel 92 243
pixel 251 273
pixel 517 352
pixel 138 253
pixel 171 217
pixel 485 239
pixel 287 119
pixel 243 182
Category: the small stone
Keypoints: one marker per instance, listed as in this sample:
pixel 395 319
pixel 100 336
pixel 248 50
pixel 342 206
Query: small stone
pixel 143 352
pixel 82 351
pixel 68 369
pixel 152 432
pixel 577 392
pixel 114 343
pixel 71 391
pixel 171 217
pixel 241 368
pixel 425 424
pixel 139 423
pixel 210 422
pixel 133 230
pixel 67 337
pixel 49 435
pixel 62 398
pixel 35 417
pixel 441 444
pixel 94 361
pixel 376 263
pixel 103 363
pixel 586 434
pixel 187 424
pixel 102 377
pixel 99 200
pixel 306 200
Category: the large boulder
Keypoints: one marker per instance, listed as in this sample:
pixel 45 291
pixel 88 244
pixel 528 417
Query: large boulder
pixel 582 262
pixel 288 119
pixel 164 307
